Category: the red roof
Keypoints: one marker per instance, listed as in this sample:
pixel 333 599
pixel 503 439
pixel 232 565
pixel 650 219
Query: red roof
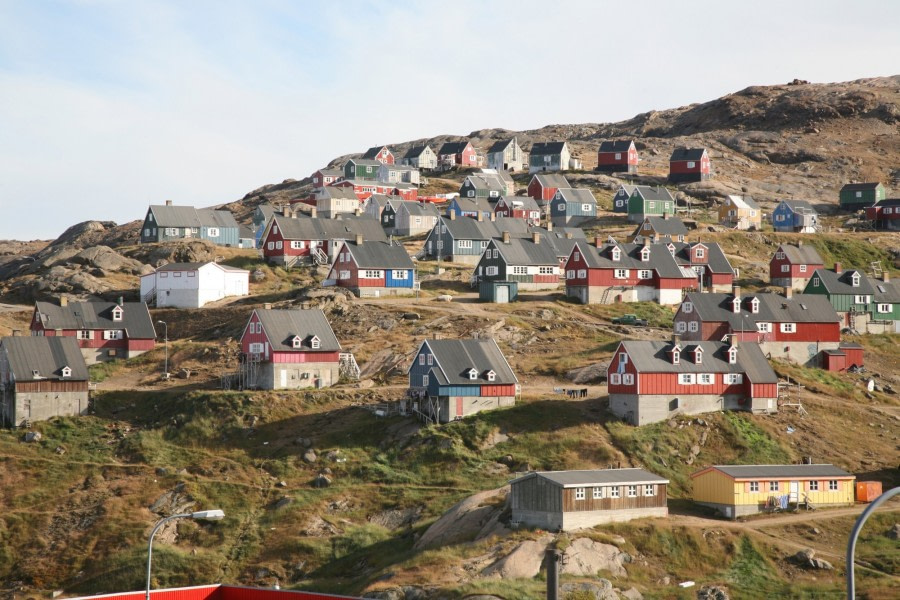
pixel 220 592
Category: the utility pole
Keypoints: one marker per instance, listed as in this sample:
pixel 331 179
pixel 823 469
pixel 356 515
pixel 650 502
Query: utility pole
pixel 551 561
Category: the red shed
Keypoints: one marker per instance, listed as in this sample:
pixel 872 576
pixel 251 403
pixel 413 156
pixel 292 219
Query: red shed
pixel 543 186
pixel 689 164
pixel 619 156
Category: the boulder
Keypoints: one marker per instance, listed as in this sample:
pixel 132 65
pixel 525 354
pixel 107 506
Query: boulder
pixel 586 557
pixel 590 374
pixel 33 436
pixel 524 562
pixel 712 592
pixel 396 518
pixel 464 521
pixel 321 481
pixel 894 532
pixel 600 589
pixel 310 456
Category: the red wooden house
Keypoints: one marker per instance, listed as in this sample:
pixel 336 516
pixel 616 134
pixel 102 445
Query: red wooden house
pixel 842 358
pixel 543 186
pixel 373 269
pixel 518 207
pixel 289 239
pixel 617 156
pixel 457 154
pixel 407 191
pixel 792 266
pixel 382 154
pixel 651 381
pixel 289 349
pixel 791 327
pixel 324 177
pixel 885 214
pixel 689 164
pixel 364 188
pixel 104 330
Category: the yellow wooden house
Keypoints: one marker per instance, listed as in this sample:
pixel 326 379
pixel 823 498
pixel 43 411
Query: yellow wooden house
pixel 737 490
pixel 740 212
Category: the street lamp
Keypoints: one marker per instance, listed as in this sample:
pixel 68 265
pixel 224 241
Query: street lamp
pixel 166 325
pixel 209 515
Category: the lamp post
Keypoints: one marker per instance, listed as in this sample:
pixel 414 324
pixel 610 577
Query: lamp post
pixel 209 515
pixel 166 325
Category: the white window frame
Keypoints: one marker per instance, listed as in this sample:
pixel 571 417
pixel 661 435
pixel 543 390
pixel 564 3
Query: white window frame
pixel 400 274
pixel 803 268
pixel 620 274
pixel 424 380
pixel 732 378
pixel 579 493
pixel 597 493
pixel 627 378
pixel 705 379
pixel 687 307
pixel 785 268
pixel 464 244
pixel 614 491
pixel 212 232
pixel 693 327
pixel 631 491
pixel 686 379
pixel 787 327
pixel 649 489
pixel 754 487
pixel 615 379
pixel 582 273
pixel 491 271
pixel 883 308
pixel 680 326
pixel 645 274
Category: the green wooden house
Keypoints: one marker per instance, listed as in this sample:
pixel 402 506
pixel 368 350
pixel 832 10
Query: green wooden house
pixel 649 201
pixel 361 168
pixel 864 303
pixel 856 196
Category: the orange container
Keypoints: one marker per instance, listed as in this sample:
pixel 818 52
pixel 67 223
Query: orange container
pixel 866 491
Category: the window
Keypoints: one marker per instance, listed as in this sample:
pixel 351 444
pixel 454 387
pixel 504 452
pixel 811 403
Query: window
pixel 621 274
pixel 628 379
pixel 616 253
pixel 344 275
pixel 491 376
pixel 576 255
pixel 686 378
pixel 255 348
pixel 676 357
pixel 520 270
pixel 648 226
pixel 473 374
pixel 779 218
pixel 117 313
pixel 645 254
pixel 297 245
pixel 692 326
pixel 259 328
pixel 579 493
pixel 278 245
pixel 368 169
pixel 687 307
pixel 699 252
pixel 424 380
pixel 614 492
pixel 680 327
pixel 112 334
pixel 623 358
pixel 470 193
pixel 618 156
pixel 859 194
pixel 705 379
pixel 192 274
pixel 430 359
pixel 884 308
pixel 779 255
pixel 297 342
pixel 649 490
pixel 586 208
pixel 854 280
pixel 421 360
pixel 178 273
pixel 754 486
pixel 570 274
pixel 732 378
pixel 645 274
pixel 491 271
pixel 815 282
pixel 270 245
pixel 400 274
pixel 814 486
pixel 84 334
pixel 773 486
pixel 597 493
pixel 788 327
pixel 632 491
pixel 545 270
pixel 785 268
pixel 615 379
pixel 832 485
pixel 764 327
pixel 861 300
pixel 732 357
pixel 583 273
pixel 386 219
pixel 803 268
pixel 888 210
pixel 147 232
pixel 315 343
pixel 373 274
pixel 651 205
pixel 213 232
pixel 465 244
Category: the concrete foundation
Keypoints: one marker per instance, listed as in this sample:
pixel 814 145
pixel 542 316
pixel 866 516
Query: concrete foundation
pixel 40 406
pixel 733 511
pixel 802 353
pixel 297 376
pixel 646 409
pixel 583 519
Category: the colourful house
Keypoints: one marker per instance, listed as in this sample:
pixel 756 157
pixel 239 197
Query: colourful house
pixel 740 212
pixel 381 154
pixel 167 223
pixel 543 186
pixel 792 266
pixel 650 201
pixel 452 379
pixel 457 154
pixel 326 176
pixel 518 207
pixel 621 198
pixel 363 168
pixel 656 229
pixel 741 490
pixel 549 156
pixel 572 207
pixel 689 164
pixel 885 214
pixel 864 304
pixel 506 155
pixel 795 216
pixel 421 157
pixel 533 263
pixel 617 156
pixel 856 196
pixel 373 269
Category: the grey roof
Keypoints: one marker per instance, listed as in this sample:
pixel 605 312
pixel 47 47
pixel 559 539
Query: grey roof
pixel 396 167
pixel 473 229
pixel 383 200
pixel 524 252
pixel 541 148
pixel 653 193
pixel 193 266
pixel 661 260
pixel 478 204
pixel 715 257
pixel 419 209
pixel 801 255
pixel 552 180
pixel 672 226
pixel 525 202
pixel 773 471
pixel 327 172
pixel 365 162
pixel 500 146
pixel 651 356
pixel 245 232
pixel 266 210
pixel 416 151
pixel 454 358
pixel 859 187
pixel 45 355
pixel 801 206
pixel 380 255
pixel 136 320
pixel 487 180
pixel 335 192
pixel 615 146
pixel 598 477
pixel 345 227
pixel 773 308
pixel 687 154
pixel 453 147
pixel 888 202
pixel 577 195
pixel 372 152
pixel 187 216
pixel 842 283
pixel 281 326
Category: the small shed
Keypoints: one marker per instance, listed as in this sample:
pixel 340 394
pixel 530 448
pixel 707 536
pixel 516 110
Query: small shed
pixel 867 491
pixel 843 357
pixel 499 292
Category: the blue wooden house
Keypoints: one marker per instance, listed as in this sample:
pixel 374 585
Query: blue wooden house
pixel 471 207
pixel 464 240
pixel 796 216
pixel 451 379
pixel 572 206
pixel 166 223
pixel 621 197
pixel 373 269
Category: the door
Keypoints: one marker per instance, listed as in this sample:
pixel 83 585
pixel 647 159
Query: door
pixel 283 378
pixel 459 407
pixel 795 491
pixel 502 294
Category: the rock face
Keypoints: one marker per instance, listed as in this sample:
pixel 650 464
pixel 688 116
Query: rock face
pixel 807 558
pixel 590 374
pixel 601 589
pixel 468 519
pixel 712 592
pixel 524 562
pixel 397 518
pixel 586 557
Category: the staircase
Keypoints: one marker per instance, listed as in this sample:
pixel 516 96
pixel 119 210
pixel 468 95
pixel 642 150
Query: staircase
pixel 150 297
pixel 319 257
pixel 348 366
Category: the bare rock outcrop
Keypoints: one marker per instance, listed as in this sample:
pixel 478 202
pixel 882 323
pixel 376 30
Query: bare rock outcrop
pixel 468 519
pixel 524 562
pixel 586 557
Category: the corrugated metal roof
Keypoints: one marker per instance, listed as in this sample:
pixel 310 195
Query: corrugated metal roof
pixel 842 283
pixel 521 202
pixel 807 255
pixel 419 209
pixel 615 146
pixel 577 195
pixel 687 154
pixel 662 226
pixel 552 180
pixel 542 148
pixel 454 359
pixel 779 471
pixel 380 255
pixel 801 206
pixel 524 252
pixel 653 193
pixel 32 358
pixel 344 228
pixel 651 356
pixel 281 326
pixel 136 320
pixel 598 477
pixel 773 308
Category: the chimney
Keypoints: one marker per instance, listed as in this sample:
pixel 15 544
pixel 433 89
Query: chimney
pixel 480 216
pixel 359 239
pixel 733 340
pixel 168 203
pixel 736 291
pixel 121 301
pixel 799 243
pixel 536 237
pixel 549 225
pixel 505 237
pixel 267 306
pixel 645 240
pixel 569 235
pixel 676 339
pixel 788 292
pixel 493 216
pixel 667 216
pixel 63 300
pixel 598 242
pixel 837 268
pixel 886 277
pixel 313 212
pixel 17 332
pixel 452 215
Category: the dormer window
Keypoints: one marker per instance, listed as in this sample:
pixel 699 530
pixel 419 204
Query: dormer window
pixel 615 253
pixel 736 305
pixel 35 373
pixel 491 376
pixel 854 280
pixel 671 248
pixel 732 356
pixel 473 374
pixel 698 355
pixel 645 254
pixel 754 305
pixel 117 313
pixel 315 343
pixel 676 356
pixel 699 252
pixel 66 371
pixel 297 341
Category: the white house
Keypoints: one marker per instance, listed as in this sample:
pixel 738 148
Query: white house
pixel 191 285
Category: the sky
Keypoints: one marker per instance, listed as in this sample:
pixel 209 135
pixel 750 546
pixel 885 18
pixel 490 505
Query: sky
pixel 108 106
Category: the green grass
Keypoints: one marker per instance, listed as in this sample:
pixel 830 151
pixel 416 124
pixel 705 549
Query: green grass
pixel 754 446
pixel 657 315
